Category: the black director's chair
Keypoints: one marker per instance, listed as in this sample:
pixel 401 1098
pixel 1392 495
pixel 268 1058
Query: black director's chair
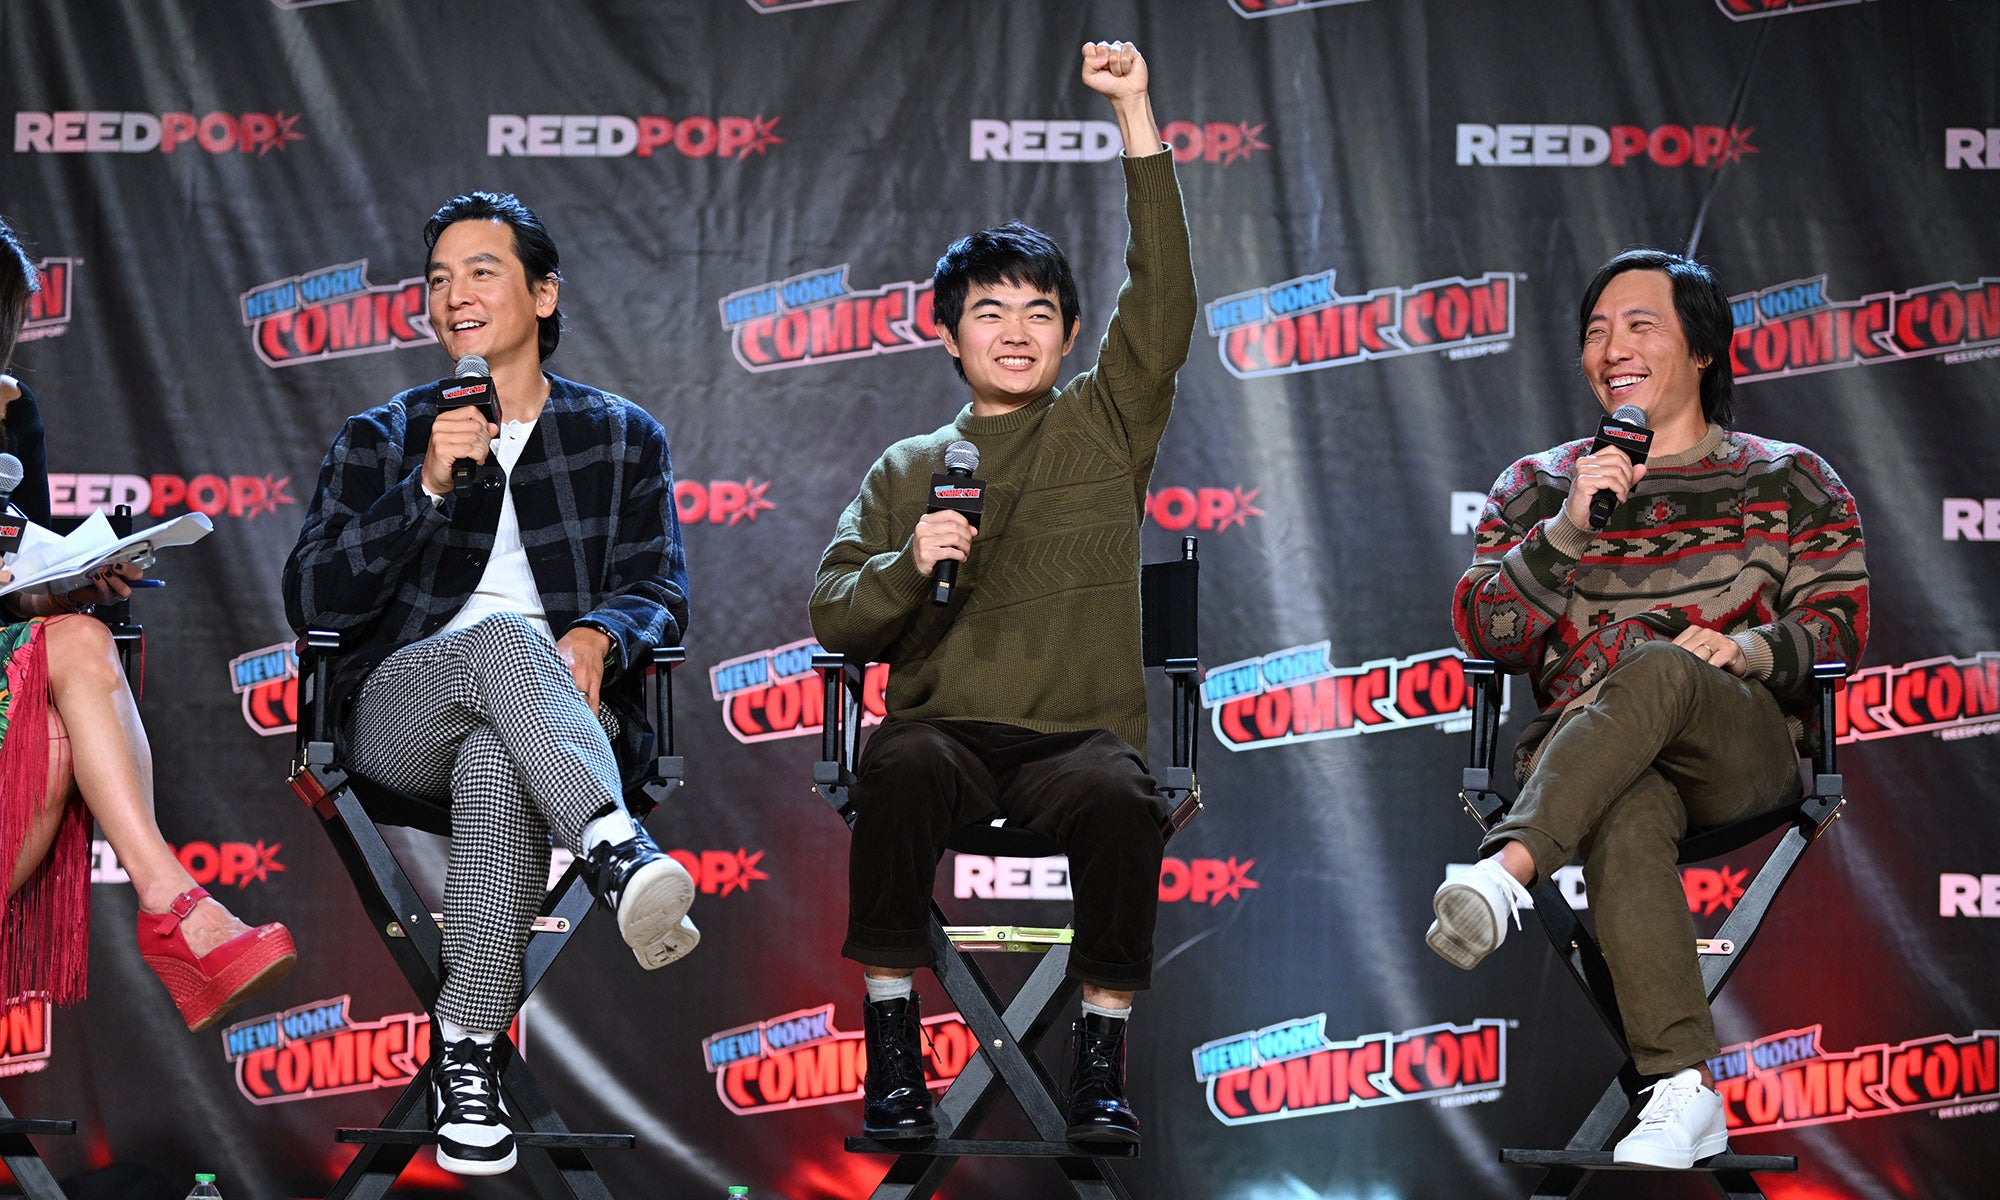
pixel 350 806
pixel 1569 1170
pixel 1006 1062
pixel 23 1161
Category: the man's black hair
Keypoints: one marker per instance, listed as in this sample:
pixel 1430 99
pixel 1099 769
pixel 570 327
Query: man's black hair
pixel 1703 309
pixel 1012 253
pixel 532 245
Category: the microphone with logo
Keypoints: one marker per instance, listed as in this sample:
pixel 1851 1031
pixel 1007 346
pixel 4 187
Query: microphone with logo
pixel 1625 429
pixel 12 525
pixel 471 383
pixel 958 491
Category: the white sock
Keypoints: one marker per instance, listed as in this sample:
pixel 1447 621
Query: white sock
pixel 452 1031
pixel 613 827
pixel 1098 1010
pixel 900 987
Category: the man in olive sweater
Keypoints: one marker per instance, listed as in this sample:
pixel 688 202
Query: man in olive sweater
pixel 1023 696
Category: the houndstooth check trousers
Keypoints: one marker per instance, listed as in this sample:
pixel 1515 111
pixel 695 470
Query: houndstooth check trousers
pixel 490 721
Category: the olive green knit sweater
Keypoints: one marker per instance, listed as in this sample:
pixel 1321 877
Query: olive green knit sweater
pixel 1043 628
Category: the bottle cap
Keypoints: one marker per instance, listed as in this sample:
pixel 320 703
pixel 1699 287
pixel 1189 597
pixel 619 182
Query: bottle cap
pixel 204 1179
pixel 739 1190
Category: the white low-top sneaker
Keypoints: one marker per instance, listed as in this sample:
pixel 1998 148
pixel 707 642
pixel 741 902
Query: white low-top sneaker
pixel 1472 913
pixel 1680 1125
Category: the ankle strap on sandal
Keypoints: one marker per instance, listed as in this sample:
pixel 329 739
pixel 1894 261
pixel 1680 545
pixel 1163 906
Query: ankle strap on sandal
pixel 184 904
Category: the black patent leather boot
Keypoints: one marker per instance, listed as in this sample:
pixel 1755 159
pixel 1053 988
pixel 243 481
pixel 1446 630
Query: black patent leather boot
pixel 1097 1108
pixel 895 1104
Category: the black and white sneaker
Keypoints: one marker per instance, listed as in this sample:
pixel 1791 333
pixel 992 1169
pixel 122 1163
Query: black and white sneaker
pixel 651 893
pixel 468 1113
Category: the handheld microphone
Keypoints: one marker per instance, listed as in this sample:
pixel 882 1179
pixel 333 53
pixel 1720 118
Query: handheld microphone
pixel 1625 429
pixel 11 527
pixel 958 491
pixel 471 383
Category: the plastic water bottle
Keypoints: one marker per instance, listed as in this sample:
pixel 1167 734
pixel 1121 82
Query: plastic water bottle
pixel 204 1189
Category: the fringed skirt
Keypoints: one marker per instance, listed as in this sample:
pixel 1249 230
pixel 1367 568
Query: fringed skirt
pixel 45 933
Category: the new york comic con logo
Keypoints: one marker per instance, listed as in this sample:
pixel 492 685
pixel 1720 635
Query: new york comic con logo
pixel 140 132
pixel 1299 695
pixel 334 312
pixel 1303 324
pixel 1290 1069
pixel 268 682
pixel 27 1034
pixel 49 309
pixel 319 1049
pixel 800 1059
pixel 1794 329
pixel 1789 1080
pixel 775 693
pixel 1947 697
pixel 818 316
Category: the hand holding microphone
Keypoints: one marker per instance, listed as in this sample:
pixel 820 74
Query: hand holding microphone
pixel 944 537
pixel 467 423
pixel 1614 466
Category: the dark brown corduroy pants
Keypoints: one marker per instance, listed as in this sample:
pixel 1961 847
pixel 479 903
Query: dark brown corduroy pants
pixel 918 780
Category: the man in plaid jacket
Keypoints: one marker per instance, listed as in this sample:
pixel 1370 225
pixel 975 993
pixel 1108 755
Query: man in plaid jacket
pixel 497 633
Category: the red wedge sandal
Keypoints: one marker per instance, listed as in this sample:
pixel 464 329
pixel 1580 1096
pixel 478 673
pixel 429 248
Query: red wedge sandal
pixel 206 987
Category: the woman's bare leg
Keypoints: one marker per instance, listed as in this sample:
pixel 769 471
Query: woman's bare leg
pixel 112 765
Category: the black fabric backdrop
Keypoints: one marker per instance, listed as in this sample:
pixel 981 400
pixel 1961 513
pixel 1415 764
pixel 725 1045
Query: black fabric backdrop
pixel 1450 171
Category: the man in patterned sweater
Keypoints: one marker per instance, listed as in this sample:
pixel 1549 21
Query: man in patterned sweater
pixel 498 633
pixel 1025 696
pixel 1671 658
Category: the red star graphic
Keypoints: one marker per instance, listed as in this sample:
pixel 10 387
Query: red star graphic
pixel 1239 881
pixel 274 495
pixel 1241 510
pixel 1739 144
pixel 753 501
pixel 766 137
pixel 746 871
pixel 267 863
pixel 1253 140
pixel 285 132
pixel 1732 890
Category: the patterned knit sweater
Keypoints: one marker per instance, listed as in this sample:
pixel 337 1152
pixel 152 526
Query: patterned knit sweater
pixel 1043 627
pixel 1754 538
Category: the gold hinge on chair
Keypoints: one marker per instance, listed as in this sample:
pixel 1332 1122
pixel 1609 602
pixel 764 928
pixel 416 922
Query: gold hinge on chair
pixel 1027 939
pixel 542 925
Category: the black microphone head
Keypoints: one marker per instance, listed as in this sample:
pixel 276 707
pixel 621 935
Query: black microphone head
pixel 12 472
pixel 1630 414
pixel 471 364
pixel 961 456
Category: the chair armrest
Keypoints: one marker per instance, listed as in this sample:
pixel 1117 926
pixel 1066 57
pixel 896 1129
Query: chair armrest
pixel 316 652
pixel 667 765
pixel 832 670
pixel 1827 677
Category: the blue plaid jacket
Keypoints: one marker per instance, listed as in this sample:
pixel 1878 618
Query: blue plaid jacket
pixel 594 494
